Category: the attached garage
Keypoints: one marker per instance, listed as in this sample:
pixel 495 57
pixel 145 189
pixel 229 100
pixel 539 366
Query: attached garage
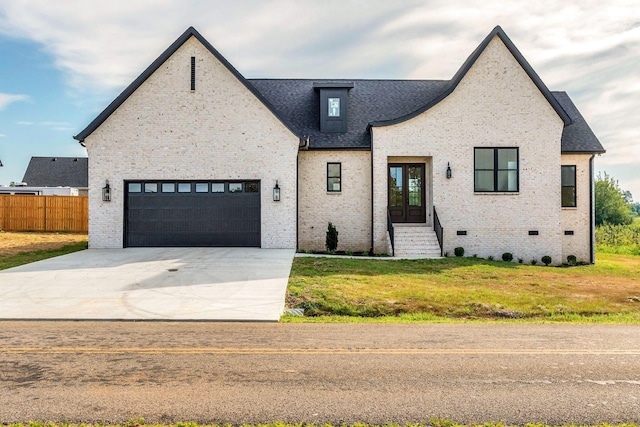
pixel 192 213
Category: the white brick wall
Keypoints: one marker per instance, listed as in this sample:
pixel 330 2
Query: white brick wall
pixel 577 219
pixel 166 131
pixel 349 210
pixel 495 105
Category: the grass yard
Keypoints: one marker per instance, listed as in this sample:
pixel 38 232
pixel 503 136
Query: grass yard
pixel 18 248
pixel 454 289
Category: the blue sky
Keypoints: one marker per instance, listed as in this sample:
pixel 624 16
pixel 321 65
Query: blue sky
pixel 62 62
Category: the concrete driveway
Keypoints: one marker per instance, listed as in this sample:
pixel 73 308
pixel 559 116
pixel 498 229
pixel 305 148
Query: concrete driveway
pixel 150 284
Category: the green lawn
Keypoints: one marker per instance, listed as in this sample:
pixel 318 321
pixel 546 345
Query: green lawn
pixel 14 260
pixel 455 289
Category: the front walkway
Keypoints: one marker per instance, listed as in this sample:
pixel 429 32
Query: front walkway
pixel 150 284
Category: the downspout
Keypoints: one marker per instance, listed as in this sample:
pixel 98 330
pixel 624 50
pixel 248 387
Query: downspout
pixel 592 213
pixel 372 192
pixel 302 145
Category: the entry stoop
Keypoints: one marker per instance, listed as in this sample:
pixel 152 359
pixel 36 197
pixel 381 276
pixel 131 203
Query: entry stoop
pixel 415 241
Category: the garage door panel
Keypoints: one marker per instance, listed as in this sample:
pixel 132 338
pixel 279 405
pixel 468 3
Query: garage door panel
pixel 193 219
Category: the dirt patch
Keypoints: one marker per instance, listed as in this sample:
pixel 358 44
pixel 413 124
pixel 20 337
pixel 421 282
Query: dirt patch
pixel 12 243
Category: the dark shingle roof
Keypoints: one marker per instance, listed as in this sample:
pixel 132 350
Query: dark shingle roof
pixel 298 103
pixel 578 136
pixel 61 172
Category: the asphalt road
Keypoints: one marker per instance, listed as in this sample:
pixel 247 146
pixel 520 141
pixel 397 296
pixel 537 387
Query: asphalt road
pixel 376 373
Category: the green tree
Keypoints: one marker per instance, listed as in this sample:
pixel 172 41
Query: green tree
pixel 611 205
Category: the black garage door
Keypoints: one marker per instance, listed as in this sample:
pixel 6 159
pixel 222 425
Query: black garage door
pixel 192 213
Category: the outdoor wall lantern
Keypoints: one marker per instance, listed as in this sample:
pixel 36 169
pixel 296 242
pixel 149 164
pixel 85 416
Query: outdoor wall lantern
pixel 106 192
pixel 276 192
pixel 448 171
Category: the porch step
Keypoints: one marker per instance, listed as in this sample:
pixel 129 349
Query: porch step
pixel 415 241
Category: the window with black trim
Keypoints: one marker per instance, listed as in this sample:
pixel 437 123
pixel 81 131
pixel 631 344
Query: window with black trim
pixel 569 186
pixel 496 170
pixel 334 177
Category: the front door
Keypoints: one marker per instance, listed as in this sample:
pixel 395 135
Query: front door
pixel 406 193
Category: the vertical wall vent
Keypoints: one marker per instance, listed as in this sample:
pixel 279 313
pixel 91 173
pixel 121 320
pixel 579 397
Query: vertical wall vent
pixel 193 73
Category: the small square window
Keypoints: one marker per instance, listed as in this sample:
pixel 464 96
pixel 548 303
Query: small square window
pixel 150 187
pixel 251 187
pixel 217 187
pixel 184 187
pixel 235 187
pixel 135 187
pixel 168 187
pixel 202 187
pixel 334 177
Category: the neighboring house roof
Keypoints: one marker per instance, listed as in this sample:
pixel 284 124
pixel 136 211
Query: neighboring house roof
pixel 578 136
pixel 57 172
pixel 190 32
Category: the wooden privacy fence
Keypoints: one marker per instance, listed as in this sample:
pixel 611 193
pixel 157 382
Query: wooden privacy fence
pixel 44 213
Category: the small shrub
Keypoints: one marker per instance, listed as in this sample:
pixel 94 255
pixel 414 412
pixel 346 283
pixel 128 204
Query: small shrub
pixel 546 260
pixel 508 257
pixel 350 253
pixel 332 238
pixel 459 251
pixel 520 260
pixel 446 254
pixel 490 257
pixel 475 255
pixel 534 262
pixel 572 260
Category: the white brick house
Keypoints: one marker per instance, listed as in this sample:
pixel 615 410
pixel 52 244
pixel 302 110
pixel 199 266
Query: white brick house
pixel 490 160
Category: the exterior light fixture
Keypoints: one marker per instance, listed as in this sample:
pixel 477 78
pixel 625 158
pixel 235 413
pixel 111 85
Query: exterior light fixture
pixel 276 192
pixel 448 171
pixel 106 192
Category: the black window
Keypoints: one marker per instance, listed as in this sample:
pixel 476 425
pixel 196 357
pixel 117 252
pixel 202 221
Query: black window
pixel 496 170
pixel 569 186
pixel 334 175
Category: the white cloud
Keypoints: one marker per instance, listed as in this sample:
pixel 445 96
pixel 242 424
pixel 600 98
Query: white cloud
pixel 6 99
pixel 2 135
pixel 24 123
pixel 588 48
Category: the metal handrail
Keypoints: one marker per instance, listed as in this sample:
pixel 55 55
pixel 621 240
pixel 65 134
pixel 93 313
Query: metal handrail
pixel 390 230
pixel 437 227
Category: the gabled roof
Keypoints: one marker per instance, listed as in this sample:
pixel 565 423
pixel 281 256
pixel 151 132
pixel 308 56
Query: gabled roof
pixel 578 136
pixel 466 66
pixel 57 172
pixel 190 32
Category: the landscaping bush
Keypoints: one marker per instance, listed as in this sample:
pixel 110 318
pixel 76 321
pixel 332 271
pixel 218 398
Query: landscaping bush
pixel 507 256
pixel 546 260
pixel 534 262
pixel 332 238
pixel 459 251
pixel 572 260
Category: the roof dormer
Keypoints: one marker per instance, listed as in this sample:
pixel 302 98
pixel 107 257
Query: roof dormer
pixel 334 106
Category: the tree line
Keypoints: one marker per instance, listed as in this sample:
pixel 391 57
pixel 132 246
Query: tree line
pixel 613 205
